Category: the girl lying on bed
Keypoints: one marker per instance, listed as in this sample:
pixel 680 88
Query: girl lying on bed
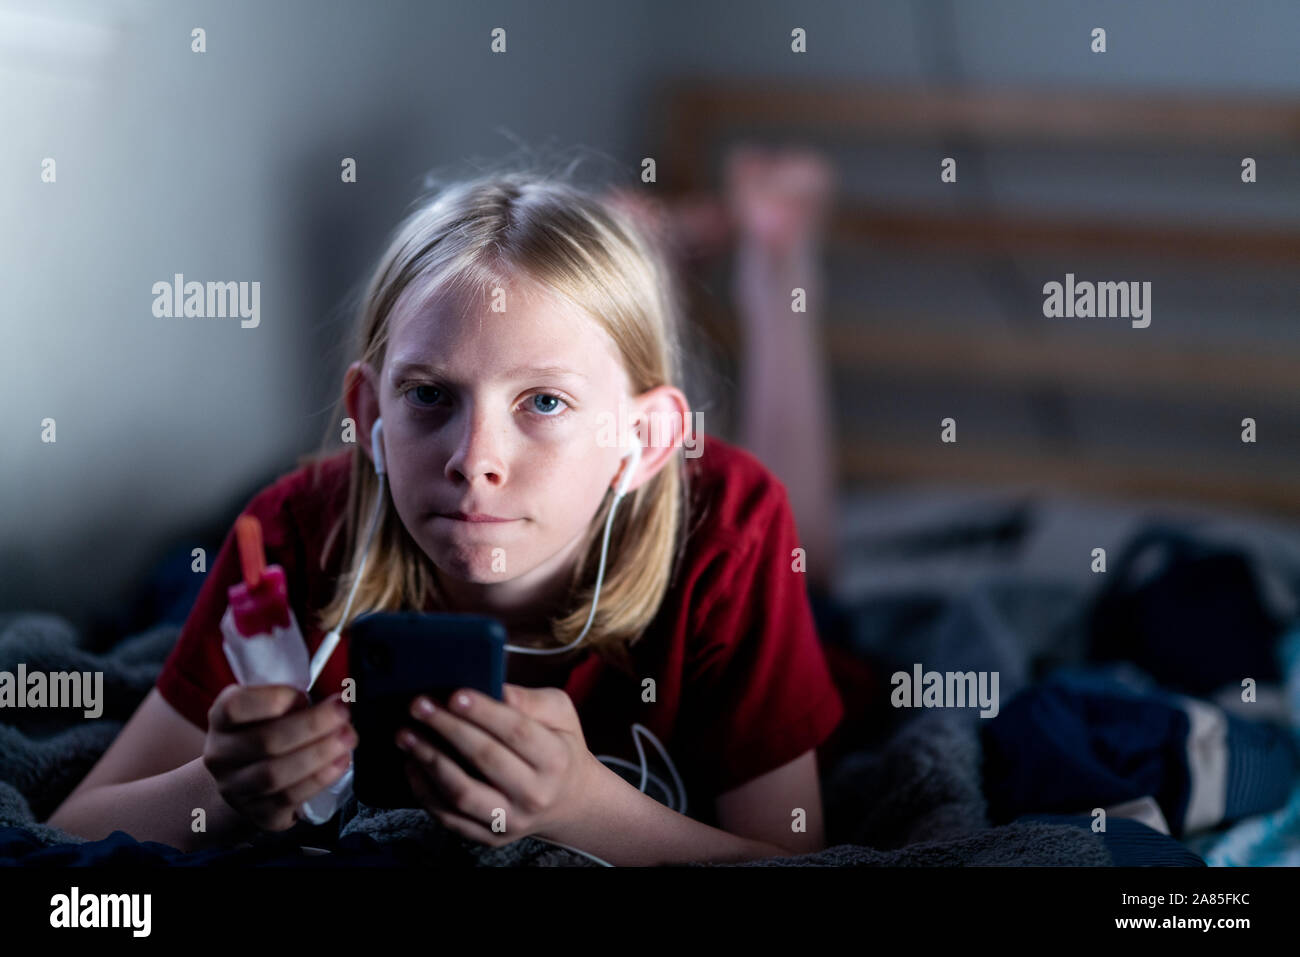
pixel 501 412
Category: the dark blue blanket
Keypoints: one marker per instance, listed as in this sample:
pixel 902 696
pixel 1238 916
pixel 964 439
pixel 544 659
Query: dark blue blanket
pixel 19 848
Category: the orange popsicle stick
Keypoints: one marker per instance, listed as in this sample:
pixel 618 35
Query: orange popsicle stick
pixel 248 533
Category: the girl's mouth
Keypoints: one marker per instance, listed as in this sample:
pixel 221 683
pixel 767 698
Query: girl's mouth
pixel 473 517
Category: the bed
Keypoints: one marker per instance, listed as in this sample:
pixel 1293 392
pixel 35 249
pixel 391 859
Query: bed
pixel 958 584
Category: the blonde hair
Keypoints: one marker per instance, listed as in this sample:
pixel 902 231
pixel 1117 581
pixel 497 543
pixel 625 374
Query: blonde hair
pixel 472 235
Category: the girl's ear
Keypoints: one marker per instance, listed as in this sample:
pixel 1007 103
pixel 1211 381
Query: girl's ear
pixel 362 402
pixel 663 417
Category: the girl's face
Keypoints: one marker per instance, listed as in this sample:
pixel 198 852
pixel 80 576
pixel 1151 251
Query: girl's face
pixel 491 422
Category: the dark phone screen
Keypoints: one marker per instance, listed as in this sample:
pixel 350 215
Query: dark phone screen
pixel 397 656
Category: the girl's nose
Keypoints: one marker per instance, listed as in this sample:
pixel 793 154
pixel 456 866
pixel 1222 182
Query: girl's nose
pixel 479 454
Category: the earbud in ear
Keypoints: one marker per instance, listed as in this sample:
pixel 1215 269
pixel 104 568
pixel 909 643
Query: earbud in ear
pixel 634 452
pixel 377 446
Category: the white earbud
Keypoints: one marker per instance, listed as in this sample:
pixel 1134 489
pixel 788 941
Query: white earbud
pixel 377 446
pixel 629 470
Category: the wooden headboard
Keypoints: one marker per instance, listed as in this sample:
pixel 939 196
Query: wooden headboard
pixel 1150 413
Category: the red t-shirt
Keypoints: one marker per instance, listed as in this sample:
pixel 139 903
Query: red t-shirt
pixel 741 683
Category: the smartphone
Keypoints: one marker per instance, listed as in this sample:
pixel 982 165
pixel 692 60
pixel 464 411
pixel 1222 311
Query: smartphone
pixel 397 656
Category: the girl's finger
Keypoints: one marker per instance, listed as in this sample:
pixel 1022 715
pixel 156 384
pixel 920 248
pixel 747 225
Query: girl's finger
pixel 238 705
pixel 319 781
pixel 277 774
pixel 281 802
pixel 510 764
pixel 520 733
pixel 280 736
pixel 447 816
pixel 310 723
pixel 463 793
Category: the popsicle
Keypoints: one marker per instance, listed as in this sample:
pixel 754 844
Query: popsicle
pixel 262 640
pixel 261 603
pixel 264 645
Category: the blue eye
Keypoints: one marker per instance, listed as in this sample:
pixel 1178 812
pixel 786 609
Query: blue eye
pixel 546 405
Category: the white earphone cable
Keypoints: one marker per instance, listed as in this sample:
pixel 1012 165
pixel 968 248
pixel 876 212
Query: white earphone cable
pixel 595 598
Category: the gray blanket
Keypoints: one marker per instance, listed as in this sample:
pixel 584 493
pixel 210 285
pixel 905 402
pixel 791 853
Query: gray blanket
pixel 916 802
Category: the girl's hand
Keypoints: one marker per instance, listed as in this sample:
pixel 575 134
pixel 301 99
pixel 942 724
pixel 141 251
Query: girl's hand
pixel 531 750
pixel 269 749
